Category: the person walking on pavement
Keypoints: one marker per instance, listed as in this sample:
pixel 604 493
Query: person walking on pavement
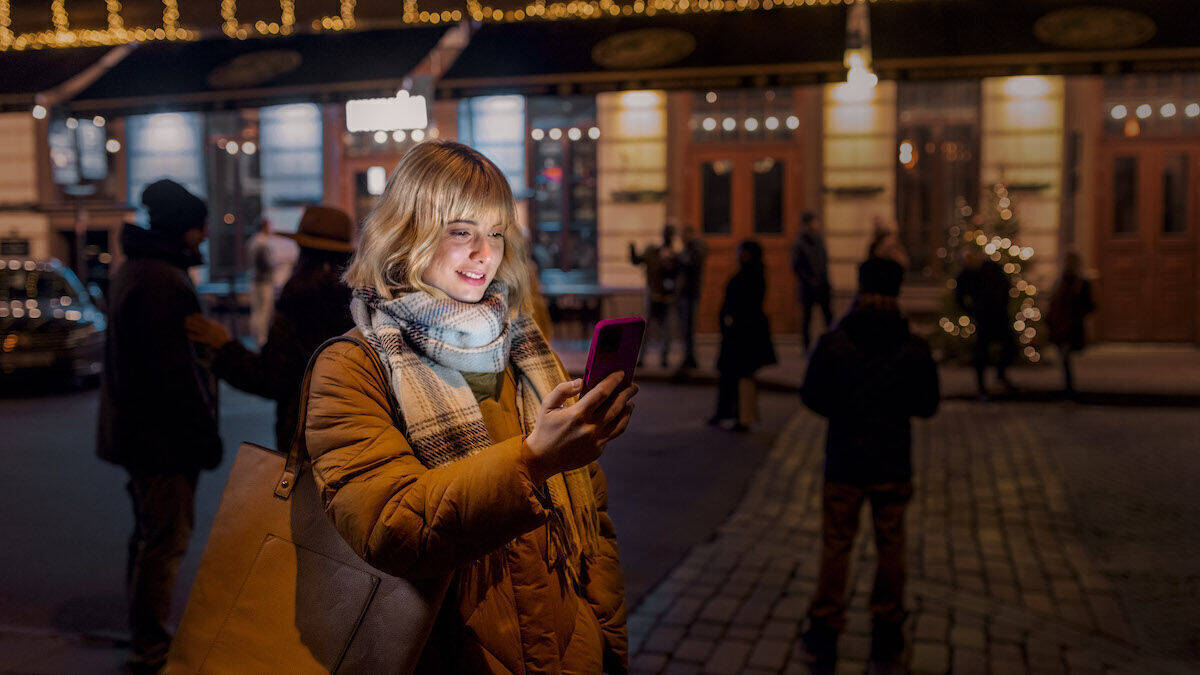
pixel 691 271
pixel 262 281
pixel 1070 304
pixel 745 340
pixel 158 404
pixel 661 269
pixel 869 375
pixel 313 307
pixel 491 478
pixel 810 262
pixel 982 290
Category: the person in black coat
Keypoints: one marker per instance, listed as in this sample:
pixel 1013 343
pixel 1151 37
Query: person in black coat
pixel 158 404
pixel 810 263
pixel 690 277
pixel 869 375
pixel 1070 304
pixel 745 338
pixel 313 307
pixel 982 290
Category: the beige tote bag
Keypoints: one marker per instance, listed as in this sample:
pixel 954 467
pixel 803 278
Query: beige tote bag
pixel 278 590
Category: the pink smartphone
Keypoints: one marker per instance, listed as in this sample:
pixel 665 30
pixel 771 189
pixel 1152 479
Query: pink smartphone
pixel 616 345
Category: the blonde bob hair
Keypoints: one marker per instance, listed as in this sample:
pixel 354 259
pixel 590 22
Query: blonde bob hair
pixel 436 183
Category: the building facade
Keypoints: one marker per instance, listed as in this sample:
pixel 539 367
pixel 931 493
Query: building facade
pixel 723 123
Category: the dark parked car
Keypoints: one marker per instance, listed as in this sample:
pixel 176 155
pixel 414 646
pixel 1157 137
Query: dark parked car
pixel 48 321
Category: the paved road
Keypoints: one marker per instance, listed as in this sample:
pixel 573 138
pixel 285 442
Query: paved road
pixel 66 515
pixel 1042 538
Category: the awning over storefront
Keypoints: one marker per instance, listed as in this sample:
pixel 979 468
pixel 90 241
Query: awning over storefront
pixel 914 39
pixel 222 72
pixel 662 52
pixel 28 73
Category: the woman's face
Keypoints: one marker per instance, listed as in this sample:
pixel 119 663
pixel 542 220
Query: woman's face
pixel 466 259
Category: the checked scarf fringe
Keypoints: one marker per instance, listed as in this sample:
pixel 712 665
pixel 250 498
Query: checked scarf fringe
pixel 426 344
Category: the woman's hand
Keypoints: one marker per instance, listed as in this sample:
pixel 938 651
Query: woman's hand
pixel 571 437
pixel 207 331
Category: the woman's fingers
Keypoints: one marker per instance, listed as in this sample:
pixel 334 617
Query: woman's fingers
pixel 621 426
pixel 616 408
pixel 559 395
pixel 599 394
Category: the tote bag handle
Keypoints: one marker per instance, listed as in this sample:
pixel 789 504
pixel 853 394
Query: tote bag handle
pixel 298 453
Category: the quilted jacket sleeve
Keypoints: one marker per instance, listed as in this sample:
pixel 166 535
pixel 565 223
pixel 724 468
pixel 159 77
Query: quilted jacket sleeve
pixel 402 518
pixel 605 587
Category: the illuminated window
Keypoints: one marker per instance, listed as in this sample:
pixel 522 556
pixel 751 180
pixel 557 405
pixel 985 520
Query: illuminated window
pixel 743 115
pixel 563 182
pixel 495 126
pixel 937 166
pixel 164 145
pixel 291 162
pixel 1163 105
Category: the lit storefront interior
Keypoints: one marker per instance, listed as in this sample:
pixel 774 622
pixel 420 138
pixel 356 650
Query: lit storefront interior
pixel 732 122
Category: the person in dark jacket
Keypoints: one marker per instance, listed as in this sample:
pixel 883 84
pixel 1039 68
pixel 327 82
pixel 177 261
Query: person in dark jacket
pixel 1070 304
pixel 313 307
pixel 982 290
pixel 745 339
pixel 810 262
pixel 661 271
pixel 158 404
pixel 869 375
pixel 691 272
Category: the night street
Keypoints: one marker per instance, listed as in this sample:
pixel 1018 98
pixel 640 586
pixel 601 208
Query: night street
pixel 1061 518
pixel 672 480
pixel 911 289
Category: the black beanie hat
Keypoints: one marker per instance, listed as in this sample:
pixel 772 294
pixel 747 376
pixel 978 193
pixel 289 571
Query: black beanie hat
pixel 881 276
pixel 172 209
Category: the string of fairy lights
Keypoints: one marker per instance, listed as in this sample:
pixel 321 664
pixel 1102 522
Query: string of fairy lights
pixel 62 35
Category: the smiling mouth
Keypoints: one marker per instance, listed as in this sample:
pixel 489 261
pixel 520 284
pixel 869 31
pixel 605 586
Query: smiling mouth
pixel 473 278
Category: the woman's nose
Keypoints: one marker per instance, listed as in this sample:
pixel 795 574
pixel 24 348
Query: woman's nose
pixel 483 250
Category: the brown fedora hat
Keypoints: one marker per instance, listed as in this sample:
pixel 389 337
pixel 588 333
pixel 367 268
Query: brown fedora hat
pixel 324 228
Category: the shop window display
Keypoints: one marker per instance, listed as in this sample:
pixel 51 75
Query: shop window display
pixel 495 126
pixel 563 179
pixel 937 167
pixel 247 164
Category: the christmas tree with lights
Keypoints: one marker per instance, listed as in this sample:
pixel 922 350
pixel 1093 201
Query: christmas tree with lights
pixel 993 233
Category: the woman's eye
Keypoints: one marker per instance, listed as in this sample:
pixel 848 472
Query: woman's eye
pixel 498 235
pixel 459 233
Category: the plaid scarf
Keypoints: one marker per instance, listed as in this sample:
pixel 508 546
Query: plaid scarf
pixel 426 344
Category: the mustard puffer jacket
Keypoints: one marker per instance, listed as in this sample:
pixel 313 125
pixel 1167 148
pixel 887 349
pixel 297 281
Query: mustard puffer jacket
pixel 479 519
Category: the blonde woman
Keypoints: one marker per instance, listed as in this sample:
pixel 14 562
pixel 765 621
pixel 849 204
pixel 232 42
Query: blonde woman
pixel 491 478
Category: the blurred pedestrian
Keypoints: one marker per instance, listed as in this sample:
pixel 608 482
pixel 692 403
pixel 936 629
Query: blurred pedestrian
pixel 491 479
pixel 885 243
pixel 691 272
pixel 313 307
pixel 810 262
pixel 868 375
pixel 158 404
pixel 982 291
pixel 1070 304
pixel 661 270
pixel 262 281
pixel 745 340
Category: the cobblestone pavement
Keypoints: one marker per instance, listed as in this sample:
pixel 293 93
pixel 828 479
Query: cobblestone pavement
pixel 1000 580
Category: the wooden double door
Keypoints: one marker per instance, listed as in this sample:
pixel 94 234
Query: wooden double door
pixel 743 193
pixel 1148 216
